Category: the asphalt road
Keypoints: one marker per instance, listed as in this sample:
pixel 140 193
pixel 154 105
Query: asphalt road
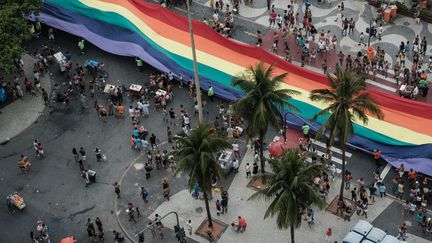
pixel 54 189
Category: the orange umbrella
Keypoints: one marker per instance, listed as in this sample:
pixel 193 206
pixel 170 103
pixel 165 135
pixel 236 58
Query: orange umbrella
pixel 69 239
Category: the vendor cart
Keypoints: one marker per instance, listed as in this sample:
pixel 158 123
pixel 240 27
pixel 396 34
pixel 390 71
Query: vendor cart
pixel 61 60
pixel 225 160
pixel 136 89
pixel 406 91
pixel 17 200
pixel 108 87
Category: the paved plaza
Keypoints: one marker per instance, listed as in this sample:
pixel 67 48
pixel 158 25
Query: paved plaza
pixel 55 191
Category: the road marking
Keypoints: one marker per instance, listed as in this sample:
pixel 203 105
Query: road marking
pixel 382 86
pixel 334 149
pixel 385 171
pixel 388 79
pixel 309 160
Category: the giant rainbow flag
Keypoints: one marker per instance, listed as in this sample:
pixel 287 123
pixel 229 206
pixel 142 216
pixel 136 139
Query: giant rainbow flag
pixel 161 38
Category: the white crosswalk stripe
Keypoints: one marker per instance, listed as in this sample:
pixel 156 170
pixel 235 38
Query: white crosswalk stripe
pixel 334 149
pixel 336 157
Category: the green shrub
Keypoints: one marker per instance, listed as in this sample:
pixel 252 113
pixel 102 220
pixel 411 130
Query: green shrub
pixel 426 12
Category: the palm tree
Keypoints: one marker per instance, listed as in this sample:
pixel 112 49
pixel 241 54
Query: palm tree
pixel 197 158
pixel 261 102
pixel 290 188
pixel 348 101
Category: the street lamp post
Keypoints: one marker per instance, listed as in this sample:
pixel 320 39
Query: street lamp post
pixel 195 65
pixel 285 126
pixel 370 31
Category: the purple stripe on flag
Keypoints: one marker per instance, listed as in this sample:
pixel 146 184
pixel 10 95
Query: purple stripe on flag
pixel 111 46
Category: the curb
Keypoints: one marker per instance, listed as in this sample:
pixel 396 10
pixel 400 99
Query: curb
pixel 48 80
pixel 122 228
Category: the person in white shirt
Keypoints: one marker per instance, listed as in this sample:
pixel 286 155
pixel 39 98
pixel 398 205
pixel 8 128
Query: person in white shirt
pixel 215 16
pixel 185 129
pixel 415 92
pixel 236 149
pixel 235 165
pixel 131 112
pixel 279 21
pixel 189 226
pixel 248 170
pixel 186 120
pixel 380 32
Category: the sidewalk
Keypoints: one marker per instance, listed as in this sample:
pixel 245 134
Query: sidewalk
pixel 20 114
pixel 260 230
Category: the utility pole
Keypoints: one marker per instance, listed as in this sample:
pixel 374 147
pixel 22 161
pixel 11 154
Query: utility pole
pixel 195 65
pixel 370 31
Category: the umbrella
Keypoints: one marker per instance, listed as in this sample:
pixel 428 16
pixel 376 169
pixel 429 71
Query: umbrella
pixel 276 148
pixel 69 239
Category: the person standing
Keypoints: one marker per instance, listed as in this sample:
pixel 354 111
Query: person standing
pixel 328 235
pixel 236 149
pixel 44 96
pixel 153 141
pixel 139 64
pixel 189 226
pixel 248 170
pixel 169 134
pixel 305 129
pixel 377 158
pixel 91 232
pixel 81 46
pixel 382 190
pixel 210 93
pixel 98 153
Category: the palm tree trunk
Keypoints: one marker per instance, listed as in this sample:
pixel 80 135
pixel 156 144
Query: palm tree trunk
pixel 343 172
pixel 261 151
pixel 210 222
pixel 292 234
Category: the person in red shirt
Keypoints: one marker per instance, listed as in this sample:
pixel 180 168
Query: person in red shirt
pixel 273 16
pixel 377 158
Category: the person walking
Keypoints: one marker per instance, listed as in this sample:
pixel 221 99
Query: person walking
pixel 144 194
pixel 131 212
pixel 75 154
pixel 82 154
pixel 98 223
pixel 117 189
pixel 147 169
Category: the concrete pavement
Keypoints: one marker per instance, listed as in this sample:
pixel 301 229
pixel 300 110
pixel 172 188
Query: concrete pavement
pixel 20 114
pixel 260 230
